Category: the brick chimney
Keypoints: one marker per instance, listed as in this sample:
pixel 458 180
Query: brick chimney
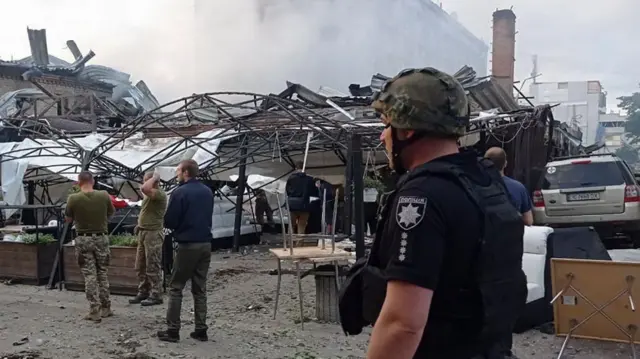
pixel 503 51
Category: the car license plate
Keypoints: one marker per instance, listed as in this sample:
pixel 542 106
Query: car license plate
pixel 575 197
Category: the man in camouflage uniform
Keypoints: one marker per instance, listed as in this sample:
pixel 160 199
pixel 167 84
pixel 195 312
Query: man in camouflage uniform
pixel 150 241
pixel 90 210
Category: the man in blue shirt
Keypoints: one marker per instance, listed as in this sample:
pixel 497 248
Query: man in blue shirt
pixel 517 191
pixel 521 200
pixel 189 216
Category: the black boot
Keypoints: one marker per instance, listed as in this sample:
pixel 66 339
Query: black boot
pixel 200 335
pixel 169 335
pixel 151 301
pixel 138 298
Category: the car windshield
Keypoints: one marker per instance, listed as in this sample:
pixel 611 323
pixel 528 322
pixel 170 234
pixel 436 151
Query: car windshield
pixel 593 174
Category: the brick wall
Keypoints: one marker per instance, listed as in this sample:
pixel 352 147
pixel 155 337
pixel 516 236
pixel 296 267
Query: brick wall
pixel 57 88
pixel 7 85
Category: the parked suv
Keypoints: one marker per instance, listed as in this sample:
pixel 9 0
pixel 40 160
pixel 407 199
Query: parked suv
pixel 595 190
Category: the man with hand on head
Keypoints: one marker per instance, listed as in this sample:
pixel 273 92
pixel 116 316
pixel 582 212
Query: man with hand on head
pixel 189 215
pixel 150 241
pixel 89 210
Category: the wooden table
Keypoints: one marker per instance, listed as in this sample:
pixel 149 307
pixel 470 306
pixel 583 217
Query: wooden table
pixel 315 255
pixel 595 299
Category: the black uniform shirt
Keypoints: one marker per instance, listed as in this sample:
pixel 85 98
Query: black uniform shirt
pixel 430 239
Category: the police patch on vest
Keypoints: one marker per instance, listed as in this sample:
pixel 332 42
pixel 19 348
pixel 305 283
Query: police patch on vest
pixel 410 211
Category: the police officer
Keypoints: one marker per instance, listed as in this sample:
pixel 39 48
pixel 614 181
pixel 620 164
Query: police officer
pixel 449 243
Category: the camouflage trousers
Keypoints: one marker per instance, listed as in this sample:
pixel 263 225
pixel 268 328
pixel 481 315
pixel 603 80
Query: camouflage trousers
pixel 149 262
pixel 93 255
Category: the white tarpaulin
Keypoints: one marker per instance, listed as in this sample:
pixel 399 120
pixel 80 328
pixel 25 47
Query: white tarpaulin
pixel 48 159
pixel 625 255
pixel 164 152
pixel 268 184
pixel 274 189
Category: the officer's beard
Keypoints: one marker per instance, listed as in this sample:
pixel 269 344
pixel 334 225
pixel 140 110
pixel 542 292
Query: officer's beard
pixel 397 146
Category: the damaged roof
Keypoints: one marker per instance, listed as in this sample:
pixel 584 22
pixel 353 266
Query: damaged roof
pixel 484 93
pixel 41 64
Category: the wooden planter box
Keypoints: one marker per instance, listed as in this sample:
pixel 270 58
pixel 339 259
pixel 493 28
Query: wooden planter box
pixel 30 262
pixel 122 273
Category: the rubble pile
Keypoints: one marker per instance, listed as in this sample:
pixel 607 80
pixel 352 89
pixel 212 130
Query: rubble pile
pixel 68 96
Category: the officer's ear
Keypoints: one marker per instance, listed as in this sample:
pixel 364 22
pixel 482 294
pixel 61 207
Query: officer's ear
pixel 405 134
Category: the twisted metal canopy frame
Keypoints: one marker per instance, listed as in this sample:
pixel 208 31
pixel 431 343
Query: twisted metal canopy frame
pixel 252 128
pixel 63 146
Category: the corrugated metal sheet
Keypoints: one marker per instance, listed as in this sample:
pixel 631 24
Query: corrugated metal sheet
pixel 123 88
pixel 53 61
pixel 142 86
pixel 204 114
pixel 104 74
pixel 329 92
pixel 484 92
pixel 75 51
pixel 38 43
pixel 377 81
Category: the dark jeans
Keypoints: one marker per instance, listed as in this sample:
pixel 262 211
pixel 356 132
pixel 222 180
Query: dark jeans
pixel 262 209
pixel 370 219
pixel 507 345
pixel 191 262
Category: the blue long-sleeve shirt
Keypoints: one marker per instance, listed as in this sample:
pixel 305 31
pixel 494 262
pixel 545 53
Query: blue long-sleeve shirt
pixel 190 212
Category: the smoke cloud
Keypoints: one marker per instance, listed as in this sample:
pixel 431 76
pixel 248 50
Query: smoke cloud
pixel 183 46
pixel 180 47
pixel 257 45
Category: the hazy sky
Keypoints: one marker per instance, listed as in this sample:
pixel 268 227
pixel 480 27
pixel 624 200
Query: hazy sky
pixel 155 40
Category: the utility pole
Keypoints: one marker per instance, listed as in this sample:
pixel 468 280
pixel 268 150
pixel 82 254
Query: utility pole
pixel 534 71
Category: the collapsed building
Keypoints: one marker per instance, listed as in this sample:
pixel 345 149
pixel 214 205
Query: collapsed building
pixel 67 96
pixel 61 118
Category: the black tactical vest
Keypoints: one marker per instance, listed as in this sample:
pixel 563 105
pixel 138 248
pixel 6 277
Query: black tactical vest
pixel 497 274
pixel 363 292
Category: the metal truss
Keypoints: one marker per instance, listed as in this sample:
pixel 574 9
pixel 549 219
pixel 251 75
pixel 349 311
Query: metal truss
pixel 251 128
pixel 55 144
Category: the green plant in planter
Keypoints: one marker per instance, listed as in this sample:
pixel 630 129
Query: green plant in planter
pixel 123 240
pixel 375 183
pixel 41 238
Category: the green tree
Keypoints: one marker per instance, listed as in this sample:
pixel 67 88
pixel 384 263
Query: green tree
pixel 631 105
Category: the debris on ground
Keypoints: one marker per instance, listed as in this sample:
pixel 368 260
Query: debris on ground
pixel 22 355
pixel 241 296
